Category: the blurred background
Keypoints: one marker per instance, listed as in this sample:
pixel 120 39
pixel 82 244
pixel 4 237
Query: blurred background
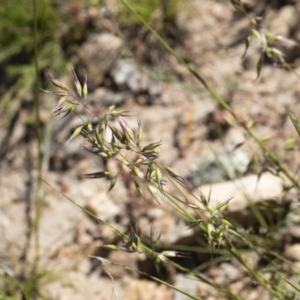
pixel 46 241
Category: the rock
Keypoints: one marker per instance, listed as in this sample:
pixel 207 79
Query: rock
pixel 234 137
pixel 187 285
pixel 98 54
pixel 267 187
pixel 244 288
pixel 264 192
pixel 155 213
pixel 155 88
pixel 207 292
pixel 293 252
pixel 234 164
pixel 166 226
pixel 14 215
pixel 206 171
pixel 102 96
pixel 230 272
pixel 126 73
pixel 291 227
pixel 217 169
pixel 146 290
pixel 122 70
pixel 120 259
pixel 283 21
pixel 78 286
pixel 103 207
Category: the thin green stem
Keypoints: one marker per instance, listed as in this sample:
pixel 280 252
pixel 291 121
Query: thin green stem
pixel 144 249
pixel 219 99
pixel 38 134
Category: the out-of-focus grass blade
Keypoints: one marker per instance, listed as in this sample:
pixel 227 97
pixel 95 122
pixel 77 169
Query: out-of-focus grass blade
pixel 112 183
pixel 297 288
pixel 247 44
pixel 295 122
pixel 259 66
pixel 95 175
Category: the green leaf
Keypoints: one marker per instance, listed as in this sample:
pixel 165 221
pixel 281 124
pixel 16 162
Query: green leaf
pixel 222 206
pixel 138 188
pixel 210 230
pixel 137 172
pixel 111 108
pixel 84 89
pixel 76 132
pixel 154 192
pixel 259 66
pixel 110 247
pixel 158 176
pixel 295 122
pixel 256 34
pixel 289 143
pixel 76 83
pixel 112 183
pixel 237 4
pixel 139 133
pixel 124 163
pixel 95 175
pixel 250 124
pixel 226 223
pixel 297 288
pixel 70 108
pixel 193 224
pixel 247 44
pixel 57 83
pixel 151 146
pixel 117 133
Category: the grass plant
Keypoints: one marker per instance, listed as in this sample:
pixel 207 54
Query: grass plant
pixel 109 137
pixel 110 141
pixel 29 46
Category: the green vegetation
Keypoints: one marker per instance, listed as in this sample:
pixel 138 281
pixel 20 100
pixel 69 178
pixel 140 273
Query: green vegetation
pixel 26 54
pixel 17 40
